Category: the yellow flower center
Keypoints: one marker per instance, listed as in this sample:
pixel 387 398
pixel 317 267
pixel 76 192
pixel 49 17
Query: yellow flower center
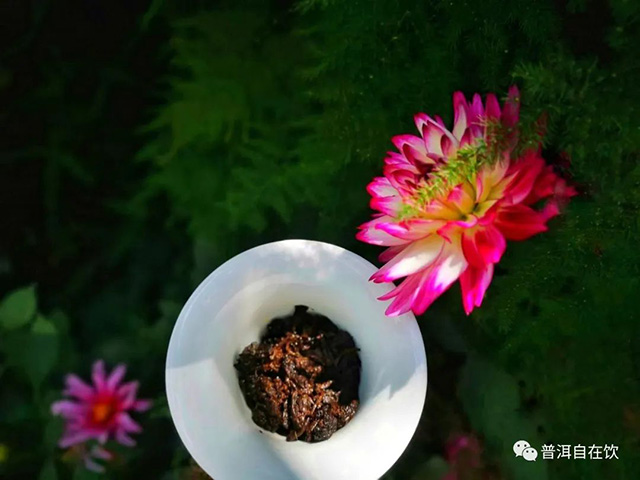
pixel 101 412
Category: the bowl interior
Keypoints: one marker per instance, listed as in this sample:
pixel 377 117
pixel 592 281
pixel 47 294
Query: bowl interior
pixel 231 308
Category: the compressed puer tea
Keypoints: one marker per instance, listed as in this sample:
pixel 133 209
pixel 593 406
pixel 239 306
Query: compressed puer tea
pixel 301 380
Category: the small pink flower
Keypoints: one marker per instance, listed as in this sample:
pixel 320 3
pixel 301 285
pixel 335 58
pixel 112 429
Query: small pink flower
pixel 449 201
pixel 464 449
pixel 463 453
pixel 99 411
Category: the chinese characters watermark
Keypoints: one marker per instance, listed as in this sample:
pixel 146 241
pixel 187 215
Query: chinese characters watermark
pixel 523 449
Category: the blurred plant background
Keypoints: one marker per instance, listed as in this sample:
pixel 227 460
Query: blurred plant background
pixel 145 142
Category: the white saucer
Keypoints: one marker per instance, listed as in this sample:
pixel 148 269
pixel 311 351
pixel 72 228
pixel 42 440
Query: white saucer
pixel 230 309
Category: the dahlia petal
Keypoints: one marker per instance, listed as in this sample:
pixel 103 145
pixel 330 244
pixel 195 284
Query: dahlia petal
pixel 483 245
pixel 412 259
pixel 369 233
pixel 563 192
pixel 543 187
pixel 128 390
pixel 398 160
pixel 142 405
pixel 519 222
pixel 101 453
pixel 405 294
pixel 75 387
pixel 433 135
pixel 390 252
pixel 377 237
pixel 401 141
pixel 381 187
pixel 127 423
pixel 460 109
pixel 420 290
pixel 462 197
pixel 511 109
pixel 476 114
pixel 439 210
pixel 412 147
pixel 74 437
pixel 387 205
pixel 67 408
pixel 474 283
pixel 116 376
pixel 92 465
pixel 466 139
pixel 99 376
pixel 403 181
pixel 451 264
pixel 447 146
pixel 470 250
pixel 550 210
pixel 421 119
pixel 124 439
pixel 411 230
pixel 453 228
pixel 127 393
pixel 492 110
pixel 489 177
pixel 551 184
pixel 526 173
pixel 439 278
pixel 390 169
pixel 568 191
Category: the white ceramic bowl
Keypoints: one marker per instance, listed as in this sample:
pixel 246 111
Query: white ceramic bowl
pixel 230 309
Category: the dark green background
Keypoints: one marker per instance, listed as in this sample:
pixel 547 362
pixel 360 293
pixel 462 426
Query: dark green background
pixel 142 143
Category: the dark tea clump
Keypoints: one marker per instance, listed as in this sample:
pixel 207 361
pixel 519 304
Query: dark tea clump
pixel 301 380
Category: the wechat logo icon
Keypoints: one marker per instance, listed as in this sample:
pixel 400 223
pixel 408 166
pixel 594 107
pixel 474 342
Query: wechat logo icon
pixel 522 449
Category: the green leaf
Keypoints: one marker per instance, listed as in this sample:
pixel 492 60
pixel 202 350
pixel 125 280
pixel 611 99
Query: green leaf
pixel 14 345
pixel 60 320
pixel 48 472
pixel 53 432
pixel 18 308
pixel 490 397
pixel 43 350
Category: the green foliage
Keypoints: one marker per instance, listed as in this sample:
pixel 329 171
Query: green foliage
pixel 255 121
pixel 29 349
pixel 492 400
pixel 34 348
pixel 18 308
pixel 229 125
pixel 41 350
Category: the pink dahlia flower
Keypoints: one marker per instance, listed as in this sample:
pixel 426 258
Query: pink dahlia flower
pixel 449 201
pixel 99 411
